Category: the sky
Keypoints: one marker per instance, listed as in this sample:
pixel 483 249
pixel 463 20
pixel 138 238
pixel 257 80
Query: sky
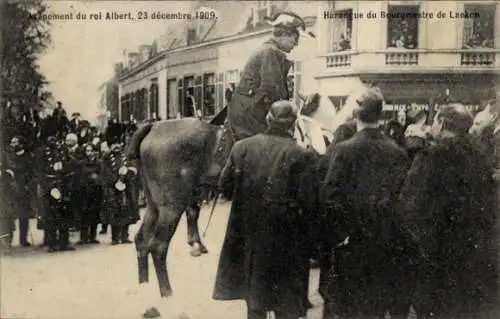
pixel 83 53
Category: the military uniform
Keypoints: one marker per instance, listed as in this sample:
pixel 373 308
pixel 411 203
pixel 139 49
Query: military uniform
pixel 264 81
pixel 90 193
pixel 119 210
pixel 56 180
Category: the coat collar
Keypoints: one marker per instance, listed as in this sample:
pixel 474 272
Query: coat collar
pixel 370 133
pixel 279 132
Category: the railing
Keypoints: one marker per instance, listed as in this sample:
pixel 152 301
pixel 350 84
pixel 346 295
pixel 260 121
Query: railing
pixel 406 57
pixel 339 59
pixel 389 60
pixel 477 58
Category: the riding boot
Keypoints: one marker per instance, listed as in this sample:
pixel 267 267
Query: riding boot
pixel 256 314
pixel 23 231
pixel 115 234
pixel 125 235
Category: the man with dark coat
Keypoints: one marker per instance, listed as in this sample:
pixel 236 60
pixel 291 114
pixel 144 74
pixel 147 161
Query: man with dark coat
pixel 264 257
pixel 56 179
pixel 448 214
pixel 20 162
pixel 119 209
pixel 264 78
pixel 364 177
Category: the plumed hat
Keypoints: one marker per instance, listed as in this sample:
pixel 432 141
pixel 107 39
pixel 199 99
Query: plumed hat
pixel 282 114
pixel 290 21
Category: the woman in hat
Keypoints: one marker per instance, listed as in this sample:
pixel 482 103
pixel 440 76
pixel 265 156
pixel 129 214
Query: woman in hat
pixel 264 78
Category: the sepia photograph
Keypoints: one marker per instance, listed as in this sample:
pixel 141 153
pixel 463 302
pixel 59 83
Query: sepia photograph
pixel 249 159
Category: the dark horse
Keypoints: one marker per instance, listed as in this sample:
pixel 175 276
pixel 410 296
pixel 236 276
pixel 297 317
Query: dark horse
pixel 177 160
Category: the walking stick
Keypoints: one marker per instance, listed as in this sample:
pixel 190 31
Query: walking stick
pixel 211 214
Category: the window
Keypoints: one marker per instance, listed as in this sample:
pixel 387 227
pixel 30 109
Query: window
pixel 232 78
pixel 294 82
pixel 153 101
pixel 191 36
pixel 209 97
pixel 402 30
pixel 180 99
pixel 198 90
pixel 172 105
pixel 479 31
pixel 219 87
pixel 342 30
pixel 188 97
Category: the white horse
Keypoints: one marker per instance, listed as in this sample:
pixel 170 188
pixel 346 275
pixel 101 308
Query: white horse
pixel 318 119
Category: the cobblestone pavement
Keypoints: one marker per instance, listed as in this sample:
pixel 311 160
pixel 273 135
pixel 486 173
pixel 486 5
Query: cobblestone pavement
pixel 100 281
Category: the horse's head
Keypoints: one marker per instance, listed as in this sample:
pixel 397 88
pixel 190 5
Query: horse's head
pixel 488 117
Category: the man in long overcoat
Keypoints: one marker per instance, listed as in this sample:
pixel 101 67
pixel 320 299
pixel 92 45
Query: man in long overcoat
pixel 364 177
pixel 264 78
pixel 20 162
pixel 264 256
pixel 448 215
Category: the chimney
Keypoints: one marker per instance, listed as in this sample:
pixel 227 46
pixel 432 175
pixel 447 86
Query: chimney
pixel 118 68
pixel 133 57
pixel 144 52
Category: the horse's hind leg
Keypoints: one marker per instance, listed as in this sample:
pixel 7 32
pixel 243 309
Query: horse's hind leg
pixel 142 239
pixel 168 219
pixel 192 215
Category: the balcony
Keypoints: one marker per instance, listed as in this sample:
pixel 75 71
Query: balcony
pixel 401 57
pixel 409 61
pixel 339 59
pixel 477 57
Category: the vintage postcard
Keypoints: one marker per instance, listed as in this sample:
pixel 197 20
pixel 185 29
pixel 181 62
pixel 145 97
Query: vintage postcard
pixel 249 159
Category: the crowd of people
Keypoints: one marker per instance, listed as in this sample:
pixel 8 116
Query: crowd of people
pixel 67 175
pixel 393 219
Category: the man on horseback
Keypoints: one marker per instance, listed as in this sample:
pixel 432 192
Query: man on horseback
pixel 264 78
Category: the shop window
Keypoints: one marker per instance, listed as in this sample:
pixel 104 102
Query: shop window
pixel 342 30
pixel 480 29
pixel 402 27
pixel 198 88
pixel 209 94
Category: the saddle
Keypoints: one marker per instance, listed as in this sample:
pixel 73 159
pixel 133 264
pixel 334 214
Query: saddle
pixel 222 148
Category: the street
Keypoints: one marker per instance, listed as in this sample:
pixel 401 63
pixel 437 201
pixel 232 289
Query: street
pixel 100 281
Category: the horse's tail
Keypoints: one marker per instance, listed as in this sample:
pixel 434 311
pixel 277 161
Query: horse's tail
pixel 134 147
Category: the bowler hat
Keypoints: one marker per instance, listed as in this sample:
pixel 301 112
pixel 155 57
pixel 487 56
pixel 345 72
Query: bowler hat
pixel 282 114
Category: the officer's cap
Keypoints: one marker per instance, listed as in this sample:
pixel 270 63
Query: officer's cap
pixel 289 21
pixel 282 114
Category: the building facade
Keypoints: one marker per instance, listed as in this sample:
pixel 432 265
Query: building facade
pixel 195 62
pixel 109 106
pixel 417 52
